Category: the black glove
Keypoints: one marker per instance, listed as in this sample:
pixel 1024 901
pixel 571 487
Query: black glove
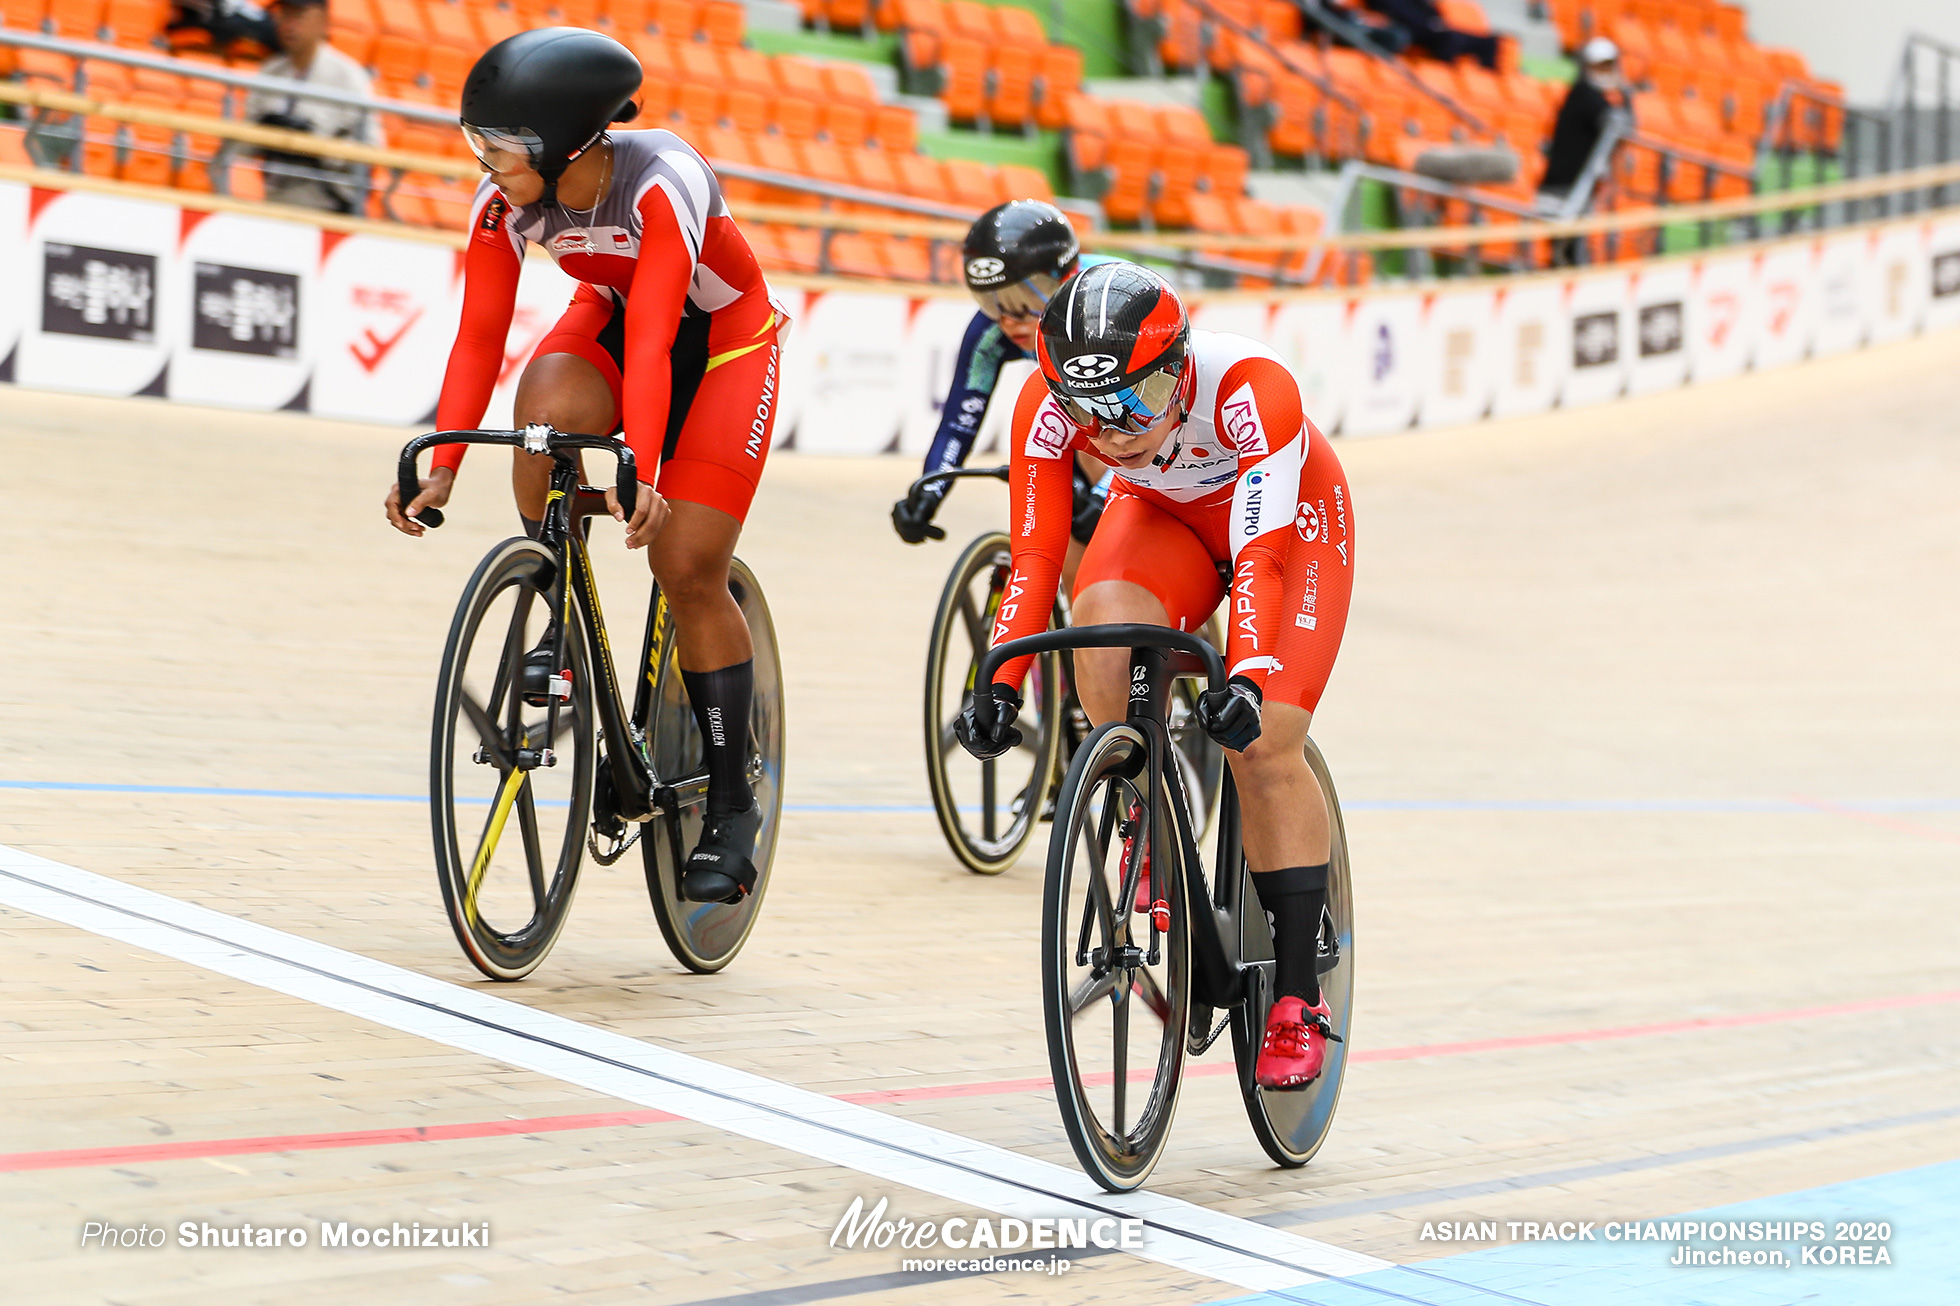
pixel 1231 715
pixel 912 516
pixel 1003 736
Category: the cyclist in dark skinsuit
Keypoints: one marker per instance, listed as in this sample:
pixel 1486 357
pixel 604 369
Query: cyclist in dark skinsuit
pixel 1016 255
pixel 671 337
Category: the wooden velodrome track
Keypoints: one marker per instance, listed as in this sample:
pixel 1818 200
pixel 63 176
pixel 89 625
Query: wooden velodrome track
pixel 1646 725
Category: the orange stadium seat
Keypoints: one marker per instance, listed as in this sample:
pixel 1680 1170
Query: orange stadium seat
pixel 922 26
pixel 1088 134
pixel 695 61
pixel 968 183
pixel 855 254
pixel 1016 181
pixel 920 177
pixel 401 18
pixel 578 13
pixel 744 110
pixel 449 23
pixel 896 128
pixel 849 84
pixel 799 76
pixel 749 71
pixel 845 125
pixel 822 161
pixel 1174 175
pixel 1059 79
pixel 697 107
pixel 872 169
pixel 907 259
pixel 1010 85
pixel 722 22
pixel 1018 27
pixel 963 66
pixel 135 23
pixel 795 117
pixel 674 19
pixel 25 15
pixel 623 16
pixel 78 20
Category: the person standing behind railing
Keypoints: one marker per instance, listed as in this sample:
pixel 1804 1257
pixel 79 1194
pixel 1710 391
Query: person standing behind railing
pixel 304 179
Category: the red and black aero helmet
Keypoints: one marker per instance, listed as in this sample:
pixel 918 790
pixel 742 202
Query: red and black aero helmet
pixel 1115 346
pixel 545 96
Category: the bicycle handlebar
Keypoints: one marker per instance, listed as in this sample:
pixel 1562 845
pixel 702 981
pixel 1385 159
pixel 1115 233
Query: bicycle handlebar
pixel 1118 635
pixel 535 439
pixel 931 479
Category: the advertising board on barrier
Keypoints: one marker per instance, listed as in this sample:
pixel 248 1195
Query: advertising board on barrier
pixel 110 295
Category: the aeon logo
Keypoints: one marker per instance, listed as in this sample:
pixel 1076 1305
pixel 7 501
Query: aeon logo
pixel 1089 367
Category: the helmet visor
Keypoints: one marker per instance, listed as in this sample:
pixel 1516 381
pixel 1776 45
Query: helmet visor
pixel 1020 299
pixel 504 149
pixel 1134 409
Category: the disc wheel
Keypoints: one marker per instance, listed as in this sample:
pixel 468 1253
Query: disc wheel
pixel 1291 1124
pixel 705 936
pixel 509 823
pixel 1115 986
pixel 987 810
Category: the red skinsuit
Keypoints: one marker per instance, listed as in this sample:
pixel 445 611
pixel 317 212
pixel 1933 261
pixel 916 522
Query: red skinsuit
pixel 658 257
pixel 1246 480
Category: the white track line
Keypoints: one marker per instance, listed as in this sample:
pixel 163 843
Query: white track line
pixel 1177 1233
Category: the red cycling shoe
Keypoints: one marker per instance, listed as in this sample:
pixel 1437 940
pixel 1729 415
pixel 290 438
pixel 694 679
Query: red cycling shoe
pixel 1295 1046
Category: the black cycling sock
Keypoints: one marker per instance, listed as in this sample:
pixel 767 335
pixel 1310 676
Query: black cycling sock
pixel 721 708
pixel 1294 899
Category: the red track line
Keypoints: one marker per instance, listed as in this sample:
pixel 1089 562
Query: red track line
pixel 1873 818
pixel 144 1152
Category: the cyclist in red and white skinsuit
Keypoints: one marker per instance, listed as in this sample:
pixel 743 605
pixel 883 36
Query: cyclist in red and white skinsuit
pixel 1217 468
pixel 671 336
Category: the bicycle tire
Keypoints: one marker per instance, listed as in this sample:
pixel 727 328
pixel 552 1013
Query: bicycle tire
pixel 705 936
pixel 1292 1124
pixel 1079 908
pixel 962 786
pixel 496 722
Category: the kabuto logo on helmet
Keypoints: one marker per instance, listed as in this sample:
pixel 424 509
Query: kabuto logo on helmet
pixel 1090 367
pixel 983 271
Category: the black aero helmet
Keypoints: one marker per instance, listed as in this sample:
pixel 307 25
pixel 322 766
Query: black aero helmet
pixel 1016 255
pixel 546 96
pixel 1115 348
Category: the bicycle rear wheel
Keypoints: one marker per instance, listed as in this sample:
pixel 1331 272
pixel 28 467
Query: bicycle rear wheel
pixel 987 810
pixel 705 936
pixel 1291 1124
pixel 509 825
pixel 1116 989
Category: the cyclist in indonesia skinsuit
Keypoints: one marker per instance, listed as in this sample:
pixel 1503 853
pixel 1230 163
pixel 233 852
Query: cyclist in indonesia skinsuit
pixel 1015 257
pixel 1216 464
pixel 671 336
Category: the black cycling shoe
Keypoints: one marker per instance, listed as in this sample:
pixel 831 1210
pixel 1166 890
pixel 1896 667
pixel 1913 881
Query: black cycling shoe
pixel 534 681
pixel 719 870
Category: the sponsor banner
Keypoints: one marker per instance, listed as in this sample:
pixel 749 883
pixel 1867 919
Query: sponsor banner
pixel 543 295
pixel 243 285
pixel 1942 274
pixel 1454 371
pixel 1844 299
pixel 925 368
pixel 1658 351
pixel 1381 364
pixel 382 321
pixel 15 280
pixel 855 403
pixel 996 426
pixel 1530 347
pixel 1239 317
pixel 1782 305
pixel 1899 277
pixel 1604 341
pixel 1310 335
pixel 99 316
pixel 1719 323
pixel 795 373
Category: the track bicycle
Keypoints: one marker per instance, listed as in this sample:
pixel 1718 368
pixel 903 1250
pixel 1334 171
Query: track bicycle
pixel 988 810
pixel 530 724
pixel 1122 986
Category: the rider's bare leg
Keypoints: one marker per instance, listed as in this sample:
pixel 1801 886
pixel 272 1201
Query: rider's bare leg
pixel 568 394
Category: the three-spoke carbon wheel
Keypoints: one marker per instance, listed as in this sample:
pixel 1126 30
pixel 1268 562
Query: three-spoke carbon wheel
pixel 1291 1124
pixel 511 780
pixel 1115 982
pixel 987 810
pixel 705 936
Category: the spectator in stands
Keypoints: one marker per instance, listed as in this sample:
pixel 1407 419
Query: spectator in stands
pixel 1421 23
pixel 1597 93
pixel 229 27
pixel 305 179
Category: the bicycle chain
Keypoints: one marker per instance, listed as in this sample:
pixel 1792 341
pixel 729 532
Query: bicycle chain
pixel 604 859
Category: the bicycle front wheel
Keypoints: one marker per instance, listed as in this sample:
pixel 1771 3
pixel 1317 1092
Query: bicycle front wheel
pixel 510 780
pixel 1291 1124
pixel 1115 983
pixel 705 936
pixel 987 810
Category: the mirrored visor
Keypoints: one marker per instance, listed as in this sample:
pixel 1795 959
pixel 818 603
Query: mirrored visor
pixel 504 149
pixel 1021 299
pixel 1133 409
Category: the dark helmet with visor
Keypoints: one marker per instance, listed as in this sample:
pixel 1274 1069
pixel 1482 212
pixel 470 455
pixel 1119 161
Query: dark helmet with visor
pixel 542 98
pixel 1016 256
pixel 1115 348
